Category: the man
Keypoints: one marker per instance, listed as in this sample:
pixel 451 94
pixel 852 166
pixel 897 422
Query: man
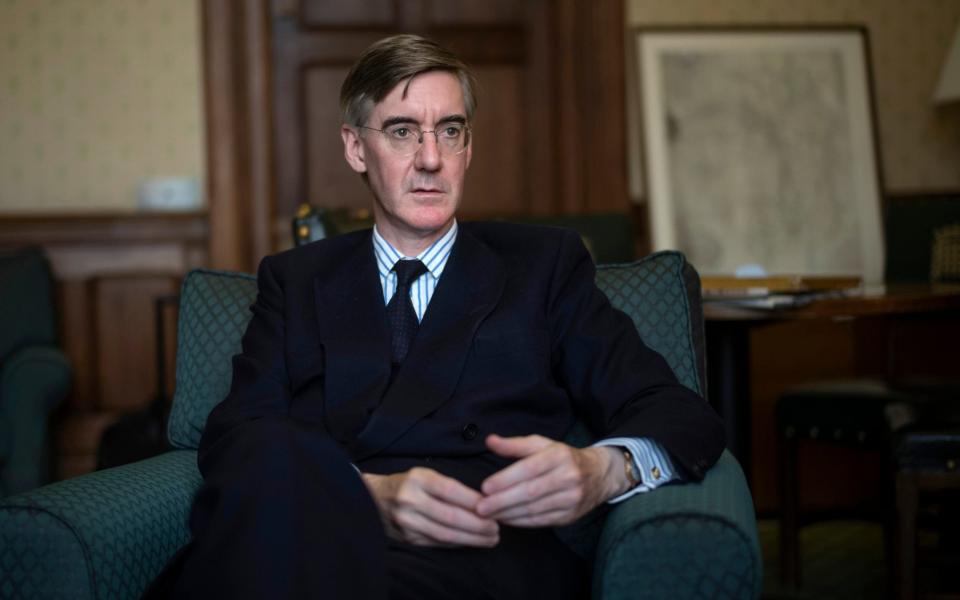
pixel 395 421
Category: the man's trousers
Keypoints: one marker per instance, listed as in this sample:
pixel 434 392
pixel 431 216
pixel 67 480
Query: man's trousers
pixel 283 514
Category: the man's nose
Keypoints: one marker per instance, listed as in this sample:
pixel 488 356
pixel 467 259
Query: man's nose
pixel 428 156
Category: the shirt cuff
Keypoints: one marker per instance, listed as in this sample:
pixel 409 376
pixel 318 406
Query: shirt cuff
pixel 650 460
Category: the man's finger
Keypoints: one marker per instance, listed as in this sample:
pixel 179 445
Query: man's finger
pixel 546 458
pixel 514 489
pixel 454 517
pixel 529 495
pixel 546 519
pixel 563 501
pixel 517 447
pixel 449 490
pixel 421 530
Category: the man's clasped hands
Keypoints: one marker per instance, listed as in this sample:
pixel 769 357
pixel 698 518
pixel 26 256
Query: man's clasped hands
pixel 551 483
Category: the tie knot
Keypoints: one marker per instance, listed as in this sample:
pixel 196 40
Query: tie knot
pixel 407 271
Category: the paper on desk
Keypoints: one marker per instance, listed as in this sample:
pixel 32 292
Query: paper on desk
pixel 767 301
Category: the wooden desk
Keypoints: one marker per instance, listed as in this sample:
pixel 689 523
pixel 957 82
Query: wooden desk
pixel 728 330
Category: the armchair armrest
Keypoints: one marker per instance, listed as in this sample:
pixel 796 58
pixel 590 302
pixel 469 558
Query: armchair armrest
pixel 103 535
pixel 695 540
pixel 33 380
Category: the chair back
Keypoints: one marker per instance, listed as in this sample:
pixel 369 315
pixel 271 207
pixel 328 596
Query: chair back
pixel 660 293
pixel 214 312
pixel 26 304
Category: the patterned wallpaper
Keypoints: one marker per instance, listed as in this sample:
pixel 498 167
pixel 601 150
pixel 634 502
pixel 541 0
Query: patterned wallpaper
pixel 95 96
pixel 919 143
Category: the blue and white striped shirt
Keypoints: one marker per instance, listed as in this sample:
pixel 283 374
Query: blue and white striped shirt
pixel 650 460
pixel 434 258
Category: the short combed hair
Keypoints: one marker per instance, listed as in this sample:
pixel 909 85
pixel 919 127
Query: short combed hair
pixel 389 62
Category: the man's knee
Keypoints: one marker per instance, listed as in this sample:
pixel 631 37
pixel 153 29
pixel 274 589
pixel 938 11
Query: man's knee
pixel 274 451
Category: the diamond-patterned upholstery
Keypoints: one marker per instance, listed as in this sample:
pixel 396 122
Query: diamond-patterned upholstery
pixel 667 315
pixel 214 312
pixel 103 535
pixel 107 534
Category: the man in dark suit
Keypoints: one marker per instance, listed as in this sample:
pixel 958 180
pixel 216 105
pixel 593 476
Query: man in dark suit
pixel 394 424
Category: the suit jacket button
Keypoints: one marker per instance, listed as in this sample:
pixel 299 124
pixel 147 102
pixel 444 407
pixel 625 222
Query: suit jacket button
pixel 469 431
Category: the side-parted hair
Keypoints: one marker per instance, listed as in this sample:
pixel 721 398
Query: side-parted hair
pixel 391 61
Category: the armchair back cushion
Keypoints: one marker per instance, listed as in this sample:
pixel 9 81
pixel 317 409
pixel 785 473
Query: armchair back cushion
pixel 214 312
pixel 26 304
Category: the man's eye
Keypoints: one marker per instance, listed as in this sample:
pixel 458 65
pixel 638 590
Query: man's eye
pixel 452 131
pixel 401 132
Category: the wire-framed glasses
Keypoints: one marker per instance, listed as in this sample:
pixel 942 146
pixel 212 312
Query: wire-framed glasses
pixel 406 139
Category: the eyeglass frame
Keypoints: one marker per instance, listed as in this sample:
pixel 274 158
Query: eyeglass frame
pixel 436 136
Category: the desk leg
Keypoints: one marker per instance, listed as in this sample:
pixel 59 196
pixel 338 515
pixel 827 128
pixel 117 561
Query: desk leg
pixel 728 384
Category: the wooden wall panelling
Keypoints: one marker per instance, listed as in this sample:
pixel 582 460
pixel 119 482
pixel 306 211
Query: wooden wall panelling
pixel 237 99
pixel 592 106
pixel 124 318
pixel 74 302
pixel 336 13
pixel 260 127
pixel 227 140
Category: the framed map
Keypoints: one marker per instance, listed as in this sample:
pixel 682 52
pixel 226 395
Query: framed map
pixel 759 149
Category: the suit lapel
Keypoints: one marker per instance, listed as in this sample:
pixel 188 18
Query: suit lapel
pixel 355 334
pixel 470 287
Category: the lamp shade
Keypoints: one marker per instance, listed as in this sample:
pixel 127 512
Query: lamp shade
pixel 948 89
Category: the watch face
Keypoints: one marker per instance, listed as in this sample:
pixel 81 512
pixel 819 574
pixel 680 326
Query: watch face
pixel 628 466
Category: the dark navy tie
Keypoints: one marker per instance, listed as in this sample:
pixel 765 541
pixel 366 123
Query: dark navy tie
pixel 403 319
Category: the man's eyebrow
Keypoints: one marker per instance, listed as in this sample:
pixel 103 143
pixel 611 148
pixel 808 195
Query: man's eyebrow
pixel 397 121
pixel 400 120
pixel 453 119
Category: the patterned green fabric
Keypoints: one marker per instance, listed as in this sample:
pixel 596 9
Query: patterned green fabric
pixel 26 304
pixel 214 312
pixel 33 381
pixel 652 291
pixel 102 535
pixel 697 540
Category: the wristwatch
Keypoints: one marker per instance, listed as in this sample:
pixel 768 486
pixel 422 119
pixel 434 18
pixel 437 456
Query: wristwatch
pixel 628 468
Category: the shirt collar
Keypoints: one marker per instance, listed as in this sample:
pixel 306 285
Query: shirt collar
pixel 434 257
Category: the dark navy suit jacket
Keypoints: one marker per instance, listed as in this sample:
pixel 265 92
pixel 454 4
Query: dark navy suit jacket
pixel 517 340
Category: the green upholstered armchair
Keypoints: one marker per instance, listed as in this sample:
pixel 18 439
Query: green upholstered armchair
pixel 34 373
pixel 108 534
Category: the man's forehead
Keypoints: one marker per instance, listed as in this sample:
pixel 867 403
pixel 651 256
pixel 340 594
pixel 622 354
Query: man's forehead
pixel 430 91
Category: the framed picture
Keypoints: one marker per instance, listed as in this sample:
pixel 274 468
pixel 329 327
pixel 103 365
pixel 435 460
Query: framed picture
pixel 758 149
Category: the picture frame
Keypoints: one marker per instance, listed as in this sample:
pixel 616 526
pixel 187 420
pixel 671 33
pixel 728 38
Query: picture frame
pixel 759 150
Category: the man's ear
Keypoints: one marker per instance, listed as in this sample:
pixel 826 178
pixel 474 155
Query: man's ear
pixel 353 148
pixel 469 155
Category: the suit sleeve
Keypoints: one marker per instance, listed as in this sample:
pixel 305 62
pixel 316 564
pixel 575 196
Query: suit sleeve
pixel 620 386
pixel 260 385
